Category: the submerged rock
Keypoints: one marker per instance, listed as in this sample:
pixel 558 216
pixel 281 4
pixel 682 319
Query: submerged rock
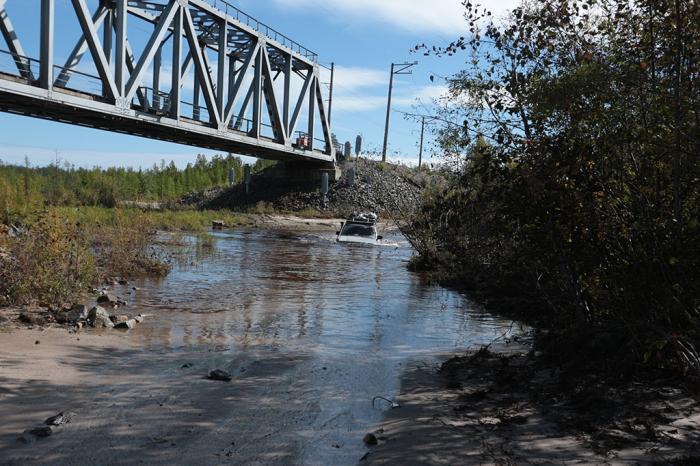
pixel 40 431
pixel 370 439
pixel 219 375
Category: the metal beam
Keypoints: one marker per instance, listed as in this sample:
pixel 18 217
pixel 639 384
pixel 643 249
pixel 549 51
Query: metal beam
pixel 107 45
pixel 195 98
pixel 157 63
pixel 79 50
pixel 312 112
pixel 244 107
pixel 201 67
pixel 300 104
pixel 130 66
pixel 154 44
pixel 257 93
pixel 325 125
pixel 269 89
pixel 93 41
pixel 221 64
pixel 287 92
pixel 47 38
pixel 176 73
pixel 8 32
pixel 121 52
pixel 233 96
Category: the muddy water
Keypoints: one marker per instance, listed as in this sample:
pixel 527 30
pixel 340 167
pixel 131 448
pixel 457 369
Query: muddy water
pixel 311 330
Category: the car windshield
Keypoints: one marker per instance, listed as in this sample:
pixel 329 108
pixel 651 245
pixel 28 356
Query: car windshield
pixel 358 230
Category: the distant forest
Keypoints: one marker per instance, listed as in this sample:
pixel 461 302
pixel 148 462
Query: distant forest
pixel 26 187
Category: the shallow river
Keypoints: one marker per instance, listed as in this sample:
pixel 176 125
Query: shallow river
pixel 318 328
pixel 310 330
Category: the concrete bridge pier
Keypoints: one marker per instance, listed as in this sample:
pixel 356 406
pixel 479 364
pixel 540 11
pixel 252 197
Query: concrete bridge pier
pixel 303 173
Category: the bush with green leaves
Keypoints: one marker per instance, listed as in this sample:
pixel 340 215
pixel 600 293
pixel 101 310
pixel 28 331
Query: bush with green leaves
pixel 575 138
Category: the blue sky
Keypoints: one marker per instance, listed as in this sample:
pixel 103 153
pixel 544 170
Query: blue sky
pixel 363 38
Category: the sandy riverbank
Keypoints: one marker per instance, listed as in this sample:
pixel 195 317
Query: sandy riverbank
pixel 135 404
pixel 508 408
pixel 299 224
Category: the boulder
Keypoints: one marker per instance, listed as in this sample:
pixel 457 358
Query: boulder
pixel 108 299
pixel 219 375
pixel 370 439
pixel 59 419
pixel 128 325
pixel 118 319
pixel 73 315
pixel 99 318
pixel 32 318
pixel 40 431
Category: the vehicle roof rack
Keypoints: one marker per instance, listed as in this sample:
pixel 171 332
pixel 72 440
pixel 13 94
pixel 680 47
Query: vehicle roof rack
pixel 368 218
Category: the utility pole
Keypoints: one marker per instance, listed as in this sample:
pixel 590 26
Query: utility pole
pixel 330 97
pixel 422 132
pixel 400 68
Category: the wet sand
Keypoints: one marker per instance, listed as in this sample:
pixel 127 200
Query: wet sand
pixel 133 405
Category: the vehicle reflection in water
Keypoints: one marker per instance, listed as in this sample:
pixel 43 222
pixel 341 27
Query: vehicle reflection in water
pixel 348 318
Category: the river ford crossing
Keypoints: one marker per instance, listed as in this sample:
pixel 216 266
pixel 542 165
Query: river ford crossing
pixel 311 331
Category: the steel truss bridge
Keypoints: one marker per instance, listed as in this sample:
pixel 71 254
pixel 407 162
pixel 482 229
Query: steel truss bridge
pixel 205 74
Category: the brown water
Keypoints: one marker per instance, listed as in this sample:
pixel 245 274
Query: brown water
pixel 311 330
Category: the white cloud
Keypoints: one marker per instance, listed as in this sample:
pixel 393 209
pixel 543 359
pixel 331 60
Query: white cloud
pixel 355 102
pixel 365 89
pixel 442 16
pixel 355 78
pixel 358 103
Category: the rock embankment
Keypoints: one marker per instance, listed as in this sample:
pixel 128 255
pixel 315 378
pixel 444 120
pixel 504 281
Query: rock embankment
pixel 365 185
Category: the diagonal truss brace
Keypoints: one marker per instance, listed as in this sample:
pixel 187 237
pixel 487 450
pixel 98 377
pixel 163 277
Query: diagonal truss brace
pixel 101 62
pixel 8 32
pixel 269 90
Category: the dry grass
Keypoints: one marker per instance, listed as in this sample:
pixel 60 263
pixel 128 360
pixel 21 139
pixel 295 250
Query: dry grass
pixel 51 262
pixel 65 251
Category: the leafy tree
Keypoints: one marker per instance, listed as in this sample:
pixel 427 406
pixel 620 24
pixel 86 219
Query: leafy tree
pixel 574 134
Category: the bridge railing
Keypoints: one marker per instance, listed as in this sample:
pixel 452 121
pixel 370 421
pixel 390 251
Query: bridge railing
pixel 11 62
pixel 263 28
pixel 79 81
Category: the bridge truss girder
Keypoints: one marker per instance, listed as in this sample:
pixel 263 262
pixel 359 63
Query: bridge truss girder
pixel 252 75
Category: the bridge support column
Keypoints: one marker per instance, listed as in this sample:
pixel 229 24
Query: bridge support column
pixel 47 38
